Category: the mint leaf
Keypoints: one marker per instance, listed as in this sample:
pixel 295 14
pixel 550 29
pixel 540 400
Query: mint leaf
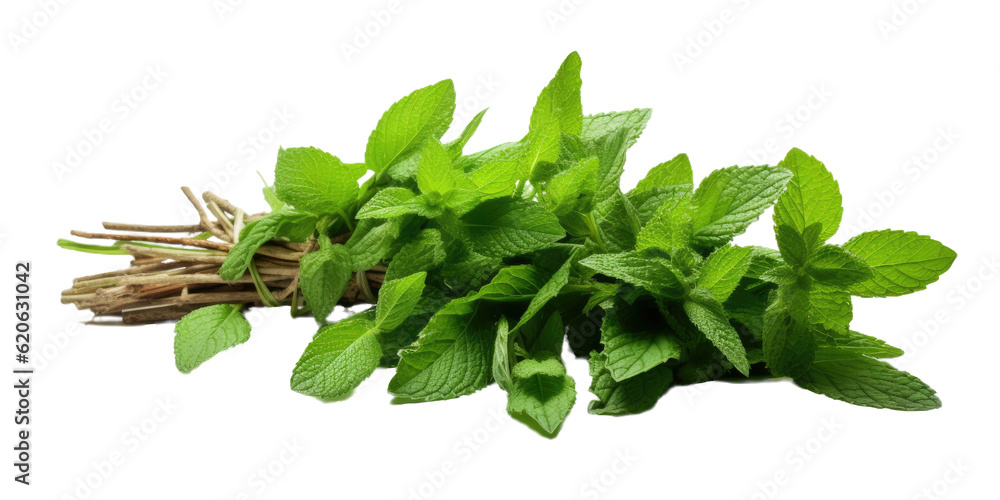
pixel 455 147
pixel 829 307
pixel 851 343
pixel 643 269
pixel 403 129
pixel 436 173
pixel 648 202
pixel 396 300
pixel 789 347
pixel 573 189
pixel 503 356
pixel 542 392
pixel 314 181
pixel 371 242
pixel 603 124
pixel 512 284
pixel 812 196
pixel 869 382
pixel 323 276
pixel 506 227
pixel 425 252
pixel 557 110
pixel 452 357
pixel 287 223
pixel 390 203
pixel 633 395
pixel 671 227
pixel 834 266
pixel 207 331
pixel 634 344
pixel 617 223
pixel 705 311
pixel 730 199
pixel 724 269
pixel 901 262
pixel 547 292
pixel 338 359
pixel 674 172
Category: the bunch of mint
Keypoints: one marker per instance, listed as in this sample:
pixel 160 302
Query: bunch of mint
pixel 493 259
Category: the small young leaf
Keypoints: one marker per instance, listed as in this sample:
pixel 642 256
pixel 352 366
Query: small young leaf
pixel 674 172
pixel 834 266
pixel 207 331
pixel 543 392
pixel 454 148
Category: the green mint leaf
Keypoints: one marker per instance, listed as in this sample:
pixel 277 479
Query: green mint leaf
pixel 314 181
pixel 548 339
pixel 573 189
pixel 396 300
pixel 854 343
pixel 513 284
pixel 834 266
pixel 648 202
pixel 451 358
pixel 505 227
pixel 323 276
pixel 547 292
pixel 603 124
pixel 868 382
pixel 634 395
pixel 498 176
pixel 503 356
pixel 338 359
pixel 789 346
pixel 730 199
pixel 812 196
pixel 671 227
pixel 425 252
pixel 674 172
pixel 207 331
pixel 372 242
pixel 643 269
pixel 436 173
pixel 426 113
pixel 617 223
pixel 724 269
pixel 634 344
pixel 902 262
pixel 455 147
pixel 829 307
pixel 270 196
pixel 286 223
pixel 557 110
pixel 705 311
pixel 793 246
pixel 543 392
pixel 391 202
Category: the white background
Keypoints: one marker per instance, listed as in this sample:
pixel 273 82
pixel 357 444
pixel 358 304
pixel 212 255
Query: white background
pixel 871 90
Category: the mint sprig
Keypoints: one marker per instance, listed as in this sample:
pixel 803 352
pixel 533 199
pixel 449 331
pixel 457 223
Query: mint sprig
pixel 481 264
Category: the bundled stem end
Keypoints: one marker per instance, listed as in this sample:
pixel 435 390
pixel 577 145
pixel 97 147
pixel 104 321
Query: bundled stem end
pixel 171 276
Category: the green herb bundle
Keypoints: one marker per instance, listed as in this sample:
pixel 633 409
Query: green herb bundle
pixel 481 265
